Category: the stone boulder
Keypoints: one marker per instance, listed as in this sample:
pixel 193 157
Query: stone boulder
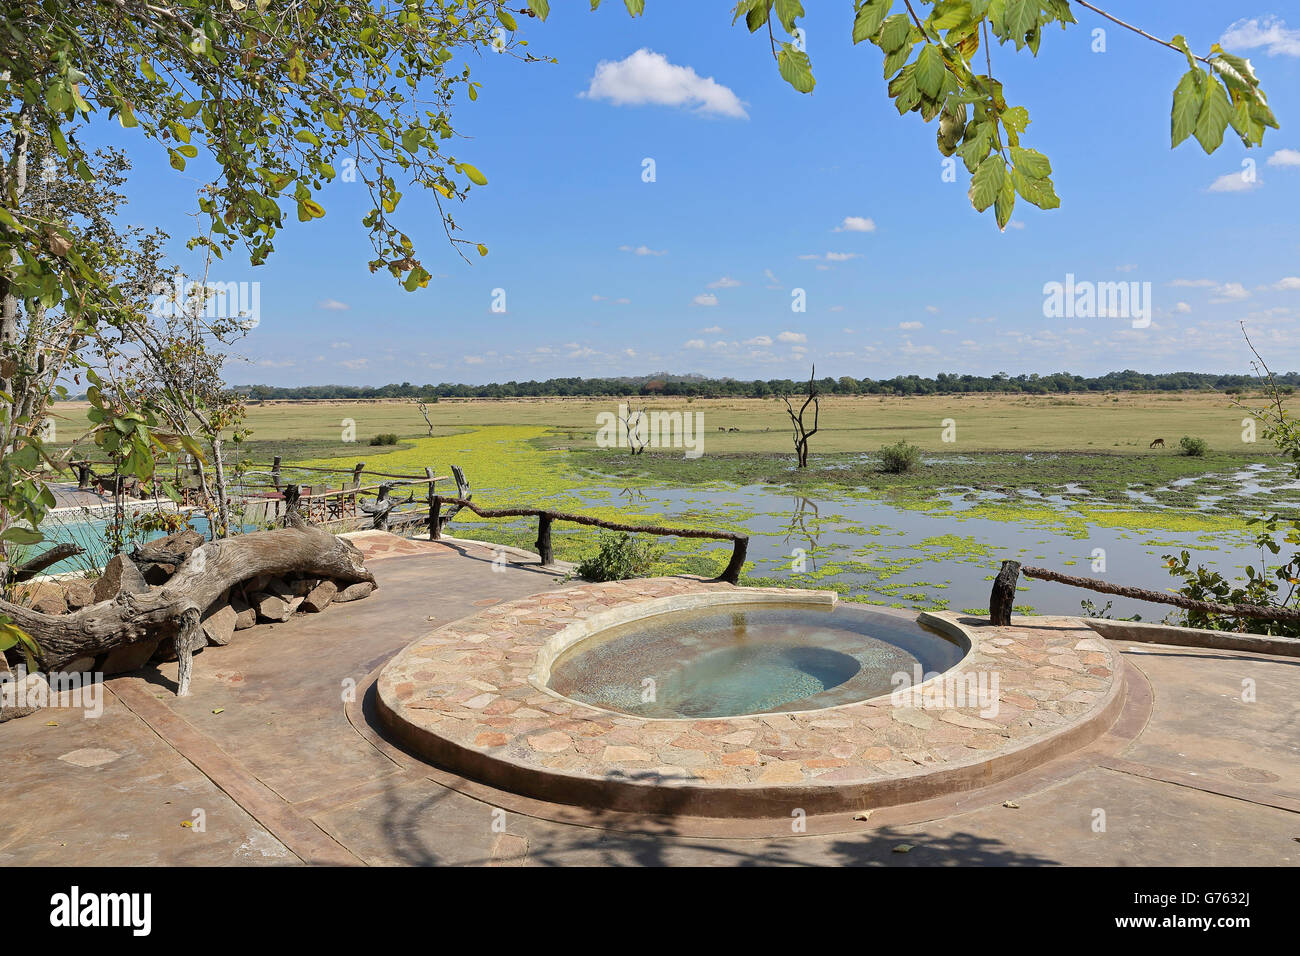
pixel 78 594
pixel 354 592
pixel 271 607
pixel 48 598
pixel 219 623
pixel 245 613
pixel 319 597
pixel 121 575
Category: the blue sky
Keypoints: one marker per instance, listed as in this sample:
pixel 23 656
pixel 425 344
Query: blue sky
pixel 605 274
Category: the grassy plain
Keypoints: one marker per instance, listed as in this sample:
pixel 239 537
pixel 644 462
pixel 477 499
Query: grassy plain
pixel 1124 422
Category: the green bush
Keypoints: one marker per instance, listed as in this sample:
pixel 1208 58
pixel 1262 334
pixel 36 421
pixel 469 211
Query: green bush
pixel 386 438
pixel 621 556
pixel 900 458
pixel 1194 447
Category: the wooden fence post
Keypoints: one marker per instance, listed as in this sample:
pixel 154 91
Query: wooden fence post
pixel 428 473
pixel 544 539
pixel 275 472
pixel 738 551
pixel 435 517
pixel 1003 596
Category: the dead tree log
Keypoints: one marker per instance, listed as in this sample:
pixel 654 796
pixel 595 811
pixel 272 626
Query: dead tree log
pixel 36 565
pixel 173 610
pixel 1003 597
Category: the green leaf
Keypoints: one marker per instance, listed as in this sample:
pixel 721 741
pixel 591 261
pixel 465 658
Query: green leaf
pixel 1033 163
pixel 476 177
pixel 21 535
pixel 508 21
pixel 297 69
pixel 894 32
pixel 787 11
pixel 795 68
pixel 929 70
pixel 1187 106
pixel 1005 202
pixel 869 18
pixel 1038 191
pixel 986 184
pixel 635 7
pixel 309 209
pixel 541 8
pixel 1216 111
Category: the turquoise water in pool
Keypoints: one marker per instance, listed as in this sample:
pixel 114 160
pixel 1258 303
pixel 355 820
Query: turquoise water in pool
pixel 736 660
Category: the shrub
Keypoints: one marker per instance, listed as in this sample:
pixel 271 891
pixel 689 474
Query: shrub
pixel 1194 447
pixel 386 438
pixel 899 458
pixel 621 556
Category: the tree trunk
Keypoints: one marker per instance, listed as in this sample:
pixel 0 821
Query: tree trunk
pixel 173 610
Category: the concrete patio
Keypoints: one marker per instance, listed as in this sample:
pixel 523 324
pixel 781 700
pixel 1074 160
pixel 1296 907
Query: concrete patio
pixel 278 747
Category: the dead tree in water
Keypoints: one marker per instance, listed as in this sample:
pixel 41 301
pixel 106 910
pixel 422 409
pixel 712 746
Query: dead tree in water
pixel 633 426
pixel 801 431
pixel 423 406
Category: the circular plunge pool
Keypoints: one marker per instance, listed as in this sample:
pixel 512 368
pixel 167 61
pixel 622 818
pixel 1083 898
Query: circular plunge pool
pixel 733 660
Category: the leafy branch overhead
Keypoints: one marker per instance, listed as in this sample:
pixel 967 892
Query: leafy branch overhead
pixel 933 67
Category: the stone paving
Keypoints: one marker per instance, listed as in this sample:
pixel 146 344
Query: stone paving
pixel 288 773
pixel 463 695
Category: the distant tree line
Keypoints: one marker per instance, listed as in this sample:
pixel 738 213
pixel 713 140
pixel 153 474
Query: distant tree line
pixel 698 387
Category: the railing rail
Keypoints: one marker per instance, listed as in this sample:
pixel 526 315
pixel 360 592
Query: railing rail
pixel 1004 591
pixel 545 518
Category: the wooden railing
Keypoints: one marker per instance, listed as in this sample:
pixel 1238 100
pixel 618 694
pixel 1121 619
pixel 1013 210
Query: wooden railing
pixel 1004 593
pixel 545 518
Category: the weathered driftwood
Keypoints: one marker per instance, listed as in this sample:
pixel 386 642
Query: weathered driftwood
pixel 29 569
pixel 174 610
pixel 1161 597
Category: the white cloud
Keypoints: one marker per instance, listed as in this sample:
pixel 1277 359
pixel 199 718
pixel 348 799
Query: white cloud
pixel 1194 283
pixel 1182 308
pixel 1125 268
pixel 774 282
pixel 696 344
pixel 1285 157
pixel 932 309
pixel 1290 283
pixel 1268 32
pixel 705 298
pixel 759 340
pixel 340 345
pixel 792 337
pixel 648 77
pixel 333 305
pixel 712 330
pixel 856 224
pixel 1016 224
pixel 1233 183
pixel 1230 292
pixel 832 256
pixel 355 364
pixel 643 251
pixel 473 360
pixel 726 282
pixel 910 326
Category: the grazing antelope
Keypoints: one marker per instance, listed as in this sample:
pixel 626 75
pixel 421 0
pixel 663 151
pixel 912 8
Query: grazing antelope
pixel 1159 441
